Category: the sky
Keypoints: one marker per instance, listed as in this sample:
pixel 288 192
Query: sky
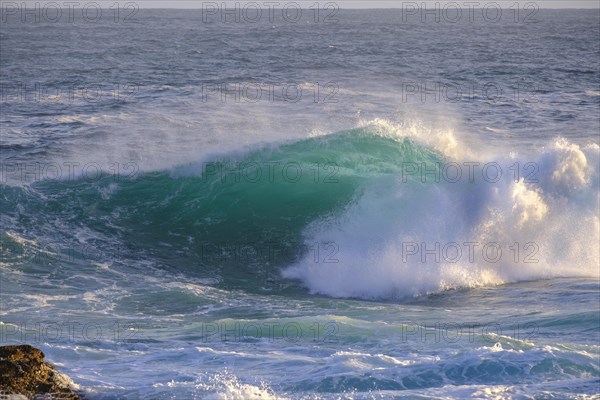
pixel 374 3
pixel 340 3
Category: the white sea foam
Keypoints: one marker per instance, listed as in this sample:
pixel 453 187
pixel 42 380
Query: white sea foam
pixel 544 222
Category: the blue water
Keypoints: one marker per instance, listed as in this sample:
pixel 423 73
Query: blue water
pixel 369 207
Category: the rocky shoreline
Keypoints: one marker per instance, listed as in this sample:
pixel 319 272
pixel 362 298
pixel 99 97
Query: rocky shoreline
pixel 25 375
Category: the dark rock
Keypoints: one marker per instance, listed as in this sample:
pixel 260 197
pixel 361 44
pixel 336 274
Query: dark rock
pixel 23 371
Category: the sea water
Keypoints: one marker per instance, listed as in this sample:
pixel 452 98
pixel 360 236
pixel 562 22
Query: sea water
pixel 348 204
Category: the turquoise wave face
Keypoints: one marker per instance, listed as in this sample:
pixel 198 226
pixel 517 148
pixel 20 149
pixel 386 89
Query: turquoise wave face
pixel 233 217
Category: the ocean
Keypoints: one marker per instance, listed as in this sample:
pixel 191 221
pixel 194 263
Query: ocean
pixel 303 203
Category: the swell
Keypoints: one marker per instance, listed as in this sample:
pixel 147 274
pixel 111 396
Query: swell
pixel 237 219
pixel 345 215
